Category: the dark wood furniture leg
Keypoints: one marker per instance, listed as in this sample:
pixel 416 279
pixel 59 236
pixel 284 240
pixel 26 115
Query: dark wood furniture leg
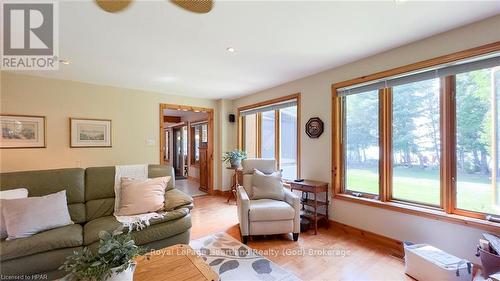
pixel 233 190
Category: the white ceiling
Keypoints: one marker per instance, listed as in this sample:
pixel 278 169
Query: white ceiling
pixel 156 46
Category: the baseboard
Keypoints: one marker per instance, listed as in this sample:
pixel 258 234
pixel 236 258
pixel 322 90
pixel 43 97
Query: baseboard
pixel 393 245
pixel 193 179
pixel 221 193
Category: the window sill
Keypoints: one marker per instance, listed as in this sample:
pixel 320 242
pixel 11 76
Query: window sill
pixel 423 212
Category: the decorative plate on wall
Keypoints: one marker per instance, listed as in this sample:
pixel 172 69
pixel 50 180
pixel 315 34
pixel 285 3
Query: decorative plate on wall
pixel 314 127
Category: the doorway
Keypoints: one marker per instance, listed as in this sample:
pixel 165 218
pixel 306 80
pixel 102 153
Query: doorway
pixel 186 144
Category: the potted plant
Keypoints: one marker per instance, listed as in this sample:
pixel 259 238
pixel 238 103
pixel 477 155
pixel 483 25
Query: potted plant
pixel 234 157
pixel 114 260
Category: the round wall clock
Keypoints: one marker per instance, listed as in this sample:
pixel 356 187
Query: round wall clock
pixel 314 127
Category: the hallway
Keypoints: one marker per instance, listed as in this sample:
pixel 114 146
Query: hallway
pixel 189 187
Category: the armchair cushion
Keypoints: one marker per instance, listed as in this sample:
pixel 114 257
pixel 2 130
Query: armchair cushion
pixel 270 210
pixel 267 166
pixel 267 186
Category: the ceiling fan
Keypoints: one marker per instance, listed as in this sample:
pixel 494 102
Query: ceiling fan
pixel 195 6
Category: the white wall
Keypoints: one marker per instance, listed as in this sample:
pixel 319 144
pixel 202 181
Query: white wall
pixel 316 153
pixel 227 141
pixel 134 116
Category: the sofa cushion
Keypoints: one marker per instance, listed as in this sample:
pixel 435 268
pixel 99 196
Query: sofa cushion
pixel 25 217
pixel 58 238
pixel 99 183
pixel 156 171
pixel 44 182
pixel 175 199
pixel 6 195
pixel 100 190
pixel 151 233
pixel 39 263
pixel 141 196
pixel 270 210
pixel 100 208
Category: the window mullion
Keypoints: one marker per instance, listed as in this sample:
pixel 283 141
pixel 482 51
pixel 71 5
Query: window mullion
pixel 385 146
pixel 448 161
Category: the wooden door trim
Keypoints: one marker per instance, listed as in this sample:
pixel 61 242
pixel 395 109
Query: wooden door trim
pixel 210 149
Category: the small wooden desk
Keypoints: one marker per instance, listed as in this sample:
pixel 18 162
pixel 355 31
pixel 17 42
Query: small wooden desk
pixel 314 187
pixel 178 262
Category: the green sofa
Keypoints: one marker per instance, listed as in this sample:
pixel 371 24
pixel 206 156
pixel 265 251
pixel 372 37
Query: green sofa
pixel 90 195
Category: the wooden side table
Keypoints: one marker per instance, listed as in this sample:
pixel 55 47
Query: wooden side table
pixel 235 183
pixel 312 187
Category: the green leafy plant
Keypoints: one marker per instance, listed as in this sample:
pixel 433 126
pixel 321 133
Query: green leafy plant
pixel 234 156
pixel 116 251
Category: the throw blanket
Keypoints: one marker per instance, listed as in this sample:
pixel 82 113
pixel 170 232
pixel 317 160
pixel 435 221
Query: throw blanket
pixel 139 172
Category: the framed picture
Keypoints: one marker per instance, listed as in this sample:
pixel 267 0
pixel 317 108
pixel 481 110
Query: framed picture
pixel 90 132
pixel 22 131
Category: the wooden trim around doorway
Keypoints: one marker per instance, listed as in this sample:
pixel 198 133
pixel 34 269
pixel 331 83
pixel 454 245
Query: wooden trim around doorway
pixel 210 121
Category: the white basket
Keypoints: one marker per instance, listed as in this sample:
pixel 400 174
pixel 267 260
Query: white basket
pixel 424 262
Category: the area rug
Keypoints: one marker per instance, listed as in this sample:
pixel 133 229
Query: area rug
pixel 233 260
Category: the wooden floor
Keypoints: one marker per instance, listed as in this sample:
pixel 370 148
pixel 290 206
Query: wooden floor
pixel 361 260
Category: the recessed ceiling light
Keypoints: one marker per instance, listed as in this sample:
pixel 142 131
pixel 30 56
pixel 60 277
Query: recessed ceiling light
pixel 196 110
pixel 65 62
pixel 167 79
pixel 230 49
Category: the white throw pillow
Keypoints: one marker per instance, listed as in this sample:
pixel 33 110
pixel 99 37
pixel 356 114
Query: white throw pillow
pixel 28 216
pixel 7 195
pixel 142 196
pixel 267 186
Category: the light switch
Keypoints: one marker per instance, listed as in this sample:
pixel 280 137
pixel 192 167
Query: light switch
pixel 150 141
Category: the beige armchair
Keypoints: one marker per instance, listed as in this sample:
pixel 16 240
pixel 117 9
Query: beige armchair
pixel 265 216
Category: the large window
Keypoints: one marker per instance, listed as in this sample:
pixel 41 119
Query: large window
pixel 416 142
pixel 288 142
pixel 270 130
pixel 268 135
pixel 361 143
pixel 428 139
pixel 477 94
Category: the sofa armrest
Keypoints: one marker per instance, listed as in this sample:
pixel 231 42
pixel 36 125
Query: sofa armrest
pixel 243 203
pixel 294 200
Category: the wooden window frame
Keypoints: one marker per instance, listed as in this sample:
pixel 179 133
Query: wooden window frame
pixel 277 127
pixel 447 211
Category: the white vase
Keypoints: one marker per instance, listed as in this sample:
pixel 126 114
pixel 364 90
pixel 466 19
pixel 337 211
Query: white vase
pixel 126 275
